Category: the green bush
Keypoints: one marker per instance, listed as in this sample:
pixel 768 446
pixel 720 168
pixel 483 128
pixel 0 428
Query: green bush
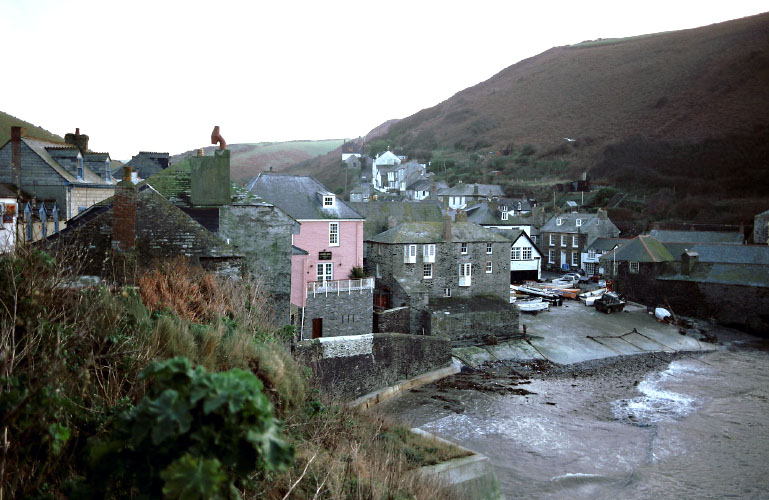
pixel 195 434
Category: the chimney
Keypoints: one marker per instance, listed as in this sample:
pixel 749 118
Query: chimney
pixel 391 222
pixel 493 206
pixel 475 189
pixel 201 152
pixel 603 214
pixel 16 134
pixel 461 216
pixel 124 214
pixel 447 227
pixel 688 261
pixel 77 139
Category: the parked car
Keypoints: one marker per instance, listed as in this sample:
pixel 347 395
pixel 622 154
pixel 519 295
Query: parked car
pixel 574 278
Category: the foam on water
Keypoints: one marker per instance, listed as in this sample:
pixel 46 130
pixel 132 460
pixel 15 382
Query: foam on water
pixel 656 403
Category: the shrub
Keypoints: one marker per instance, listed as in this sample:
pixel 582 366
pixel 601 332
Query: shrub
pixel 195 434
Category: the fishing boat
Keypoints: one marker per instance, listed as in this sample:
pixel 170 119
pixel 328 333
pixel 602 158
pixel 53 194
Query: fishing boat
pixel 532 305
pixel 589 298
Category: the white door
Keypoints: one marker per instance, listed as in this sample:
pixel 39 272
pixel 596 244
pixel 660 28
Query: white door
pixel 325 272
pixel 564 262
pixel 465 274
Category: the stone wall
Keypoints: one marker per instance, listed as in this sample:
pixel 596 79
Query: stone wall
pixel 87 196
pixel 392 320
pixel 761 229
pixel 349 367
pixel 346 313
pixel 478 321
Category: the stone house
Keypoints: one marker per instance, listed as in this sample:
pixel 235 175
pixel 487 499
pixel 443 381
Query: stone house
pixel 502 214
pixel 463 195
pixel 566 236
pixel 381 166
pixel 424 188
pixel 68 176
pixel 635 266
pixel 416 263
pixel 325 301
pixel 761 228
pixel 591 257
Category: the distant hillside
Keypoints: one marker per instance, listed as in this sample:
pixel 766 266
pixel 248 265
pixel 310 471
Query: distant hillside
pixel 7 121
pixel 643 113
pixel 248 160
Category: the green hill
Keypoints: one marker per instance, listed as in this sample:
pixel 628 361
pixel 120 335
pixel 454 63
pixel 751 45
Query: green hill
pixel 7 121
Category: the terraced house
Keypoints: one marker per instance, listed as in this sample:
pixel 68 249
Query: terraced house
pixel 565 237
pixel 325 300
pixel 54 181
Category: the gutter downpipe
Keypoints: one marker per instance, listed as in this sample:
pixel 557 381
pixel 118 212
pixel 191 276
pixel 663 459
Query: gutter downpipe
pixel 301 331
pixel 69 202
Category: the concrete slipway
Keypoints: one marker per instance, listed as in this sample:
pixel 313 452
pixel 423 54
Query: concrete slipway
pixel 574 333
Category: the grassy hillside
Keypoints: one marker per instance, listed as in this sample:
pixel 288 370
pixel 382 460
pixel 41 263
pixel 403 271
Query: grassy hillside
pixel 250 159
pixel 684 111
pixel 7 121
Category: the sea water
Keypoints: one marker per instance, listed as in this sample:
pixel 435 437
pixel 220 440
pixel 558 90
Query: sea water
pixel 698 428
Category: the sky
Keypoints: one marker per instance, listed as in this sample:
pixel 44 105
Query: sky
pixel 158 75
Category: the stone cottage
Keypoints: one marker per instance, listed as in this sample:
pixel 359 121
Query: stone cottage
pixel 565 237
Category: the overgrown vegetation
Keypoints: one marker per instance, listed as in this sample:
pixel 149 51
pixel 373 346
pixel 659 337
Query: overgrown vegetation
pixel 88 407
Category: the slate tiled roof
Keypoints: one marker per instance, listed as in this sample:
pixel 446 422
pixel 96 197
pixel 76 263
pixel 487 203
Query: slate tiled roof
pixel 725 274
pixel 145 164
pixel 432 232
pixel 642 248
pixel 488 190
pixel 591 224
pixel 732 254
pixel 298 196
pixel 666 236
pixel 377 214
pixel 298 251
pixel 606 244
pixel 49 151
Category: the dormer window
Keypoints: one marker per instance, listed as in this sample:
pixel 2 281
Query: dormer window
pixel 107 170
pixel 579 222
pixel 80 166
pixel 519 206
pixel 559 221
pixel 504 215
pixel 328 201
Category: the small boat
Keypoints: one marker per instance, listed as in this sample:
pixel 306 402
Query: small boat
pixel 610 302
pixel 532 305
pixel 570 293
pixel 588 298
pixel 662 314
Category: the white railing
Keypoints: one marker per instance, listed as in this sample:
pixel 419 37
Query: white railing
pixel 339 286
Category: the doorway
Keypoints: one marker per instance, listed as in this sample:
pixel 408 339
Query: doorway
pixel 317 327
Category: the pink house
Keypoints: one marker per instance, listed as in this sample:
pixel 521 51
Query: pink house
pixel 325 301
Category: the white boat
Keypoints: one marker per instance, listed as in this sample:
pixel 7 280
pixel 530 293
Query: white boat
pixel 662 314
pixel 532 305
pixel 588 298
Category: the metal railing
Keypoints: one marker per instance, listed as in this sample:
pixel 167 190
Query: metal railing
pixel 338 287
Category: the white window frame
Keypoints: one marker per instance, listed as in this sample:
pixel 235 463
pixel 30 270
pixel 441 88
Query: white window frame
pixel 427 271
pixel 515 253
pixel 552 240
pixel 558 221
pixel 465 273
pixel 378 272
pixel 409 254
pixel 324 271
pixel 591 253
pixel 328 201
pixel 489 267
pixel 447 292
pixel 80 168
pixel 489 249
pixel 634 267
pixel 575 259
pixel 563 240
pixel 551 256
pixel 575 241
pixel 579 222
pixel 428 253
pixel 526 253
pixel 333 234
pixel 463 248
pixel 504 215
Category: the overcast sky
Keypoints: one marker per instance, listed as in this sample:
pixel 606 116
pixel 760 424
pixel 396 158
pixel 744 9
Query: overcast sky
pixel 158 75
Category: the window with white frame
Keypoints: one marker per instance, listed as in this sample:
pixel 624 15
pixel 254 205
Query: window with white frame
pixel 504 215
pixel 447 292
pixel 409 254
pixel 428 253
pixel 579 222
pixel 488 248
pixel 534 238
pixel 575 241
pixel 463 248
pixel 328 201
pixel 558 221
pixel 515 253
pixel 427 271
pixel 519 206
pixel 378 272
pixel 333 234
pixel 634 267
pixel 526 253
pixel 465 274
pixel 79 166
pixel 591 253
pixel 575 259
pixel 563 240
pixel 488 267
pixel 551 257
pixel 614 267
pixel 552 240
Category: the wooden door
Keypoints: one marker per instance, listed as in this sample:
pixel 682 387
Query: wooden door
pixel 317 327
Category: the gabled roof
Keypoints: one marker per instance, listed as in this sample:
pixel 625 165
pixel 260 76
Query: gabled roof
pixel 731 254
pixel 641 249
pixel 50 151
pixel 145 164
pixel 606 244
pixel 432 232
pixel 725 274
pixel 590 224
pixel 488 190
pixel 666 236
pixel 377 214
pixel 298 197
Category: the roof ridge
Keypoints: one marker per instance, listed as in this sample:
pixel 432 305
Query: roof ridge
pixel 654 258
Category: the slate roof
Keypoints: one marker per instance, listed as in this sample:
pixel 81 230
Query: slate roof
pixel 488 190
pixel 432 232
pixel 667 236
pixel 295 250
pixel 378 212
pixel 47 150
pixel 642 248
pixel 606 244
pixel 298 197
pixel 731 254
pixel 725 274
pixel 591 224
pixel 145 164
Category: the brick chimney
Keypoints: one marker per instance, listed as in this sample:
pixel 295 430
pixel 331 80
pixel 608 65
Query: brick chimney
pixel 124 214
pixel 603 214
pixel 447 227
pixel 16 134
pixel 461 216
pixel 77 139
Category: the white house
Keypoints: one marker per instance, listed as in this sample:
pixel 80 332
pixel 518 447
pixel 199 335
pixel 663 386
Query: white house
pixel 525 259
pixel 384 161
pixel 591 256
